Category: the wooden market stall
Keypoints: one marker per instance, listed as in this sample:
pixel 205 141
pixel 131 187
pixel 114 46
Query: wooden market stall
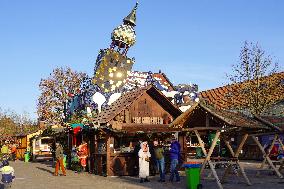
pixel 22 144
pixel 229 129
pixel 137 115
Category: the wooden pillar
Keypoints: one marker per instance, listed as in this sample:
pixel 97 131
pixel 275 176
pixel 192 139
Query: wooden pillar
pixel 207 120
pixel 108 155
pixel 182 141
pixel 208 156
pixel 70 143
pixel 235 155
pixel 96 156
pixel 91 150
pixel 266 156
pixel 282 161
pixel 281 143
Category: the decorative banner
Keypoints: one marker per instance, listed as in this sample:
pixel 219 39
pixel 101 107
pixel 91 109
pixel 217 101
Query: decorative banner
pixel 112 69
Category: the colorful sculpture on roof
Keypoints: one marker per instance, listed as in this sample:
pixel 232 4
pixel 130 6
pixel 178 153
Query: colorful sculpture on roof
pixel 113 74
pixel 112 64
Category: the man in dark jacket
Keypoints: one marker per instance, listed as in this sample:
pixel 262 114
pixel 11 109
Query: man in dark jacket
pixel 174 156
pixel 59 160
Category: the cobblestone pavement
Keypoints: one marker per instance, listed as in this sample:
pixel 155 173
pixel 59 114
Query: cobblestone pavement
pixel 39 176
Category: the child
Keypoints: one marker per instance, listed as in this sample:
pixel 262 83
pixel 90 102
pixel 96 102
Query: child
pixel 7 174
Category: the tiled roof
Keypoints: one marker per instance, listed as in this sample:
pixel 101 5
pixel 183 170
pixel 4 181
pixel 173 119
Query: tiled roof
pixel 219 96
pixel 128 98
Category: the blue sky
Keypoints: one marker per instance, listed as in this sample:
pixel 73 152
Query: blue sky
pixel 190 40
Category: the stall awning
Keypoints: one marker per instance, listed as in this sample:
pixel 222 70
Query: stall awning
pixel 81 125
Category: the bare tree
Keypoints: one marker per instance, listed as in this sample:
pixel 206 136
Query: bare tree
pixel 256 84
pixel 56 90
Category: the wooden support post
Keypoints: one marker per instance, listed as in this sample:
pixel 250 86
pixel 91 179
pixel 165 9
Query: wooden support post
pixel 267 157
pixel 282 161
pixel 108 157
pixel 201 143
pixel 281 143
pixel 237 153
pixel 208 155
pixel 207 120
pixel 243 173
pixel 230 148
pixel 226 173
pixel 207 159
pixel 236 156
pixel 215 174
pixel 269 150
pixel 241 145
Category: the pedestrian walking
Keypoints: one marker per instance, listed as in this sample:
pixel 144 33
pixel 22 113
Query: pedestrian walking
pixel 59 160
pixel 160 160
pixel 7 174
pixel 174 156
pixel 144 159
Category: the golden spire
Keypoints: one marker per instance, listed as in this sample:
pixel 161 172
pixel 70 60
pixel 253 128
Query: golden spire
pixel 131 18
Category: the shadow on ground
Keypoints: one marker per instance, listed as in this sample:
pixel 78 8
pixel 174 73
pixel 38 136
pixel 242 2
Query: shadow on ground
pixel 44 162
pixel 153 182
pixel 46 170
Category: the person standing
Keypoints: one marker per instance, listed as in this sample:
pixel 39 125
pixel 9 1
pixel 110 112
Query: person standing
pixel 7 174
pixel 14 152
pixel 144 159
pixel 83 154
pixel 152 164
pixel 53 150
pixel 174 156
pixel 59 160
pixel 160 160
pixel 5 151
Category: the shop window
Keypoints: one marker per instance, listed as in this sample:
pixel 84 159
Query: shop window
pixel 124 144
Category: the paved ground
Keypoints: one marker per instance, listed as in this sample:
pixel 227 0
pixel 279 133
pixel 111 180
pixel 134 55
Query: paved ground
pixel 39 176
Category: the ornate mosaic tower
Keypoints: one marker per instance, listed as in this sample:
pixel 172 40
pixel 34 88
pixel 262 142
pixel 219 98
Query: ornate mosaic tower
pixel 112 64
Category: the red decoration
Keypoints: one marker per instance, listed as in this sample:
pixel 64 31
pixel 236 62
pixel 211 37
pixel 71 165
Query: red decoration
pixel 76 130
pixel 70 94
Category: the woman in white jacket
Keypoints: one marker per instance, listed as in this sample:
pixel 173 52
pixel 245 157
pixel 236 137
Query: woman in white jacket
pixel 144 159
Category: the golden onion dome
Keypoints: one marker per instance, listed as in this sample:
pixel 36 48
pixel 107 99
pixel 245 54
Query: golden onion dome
pixel 124 34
